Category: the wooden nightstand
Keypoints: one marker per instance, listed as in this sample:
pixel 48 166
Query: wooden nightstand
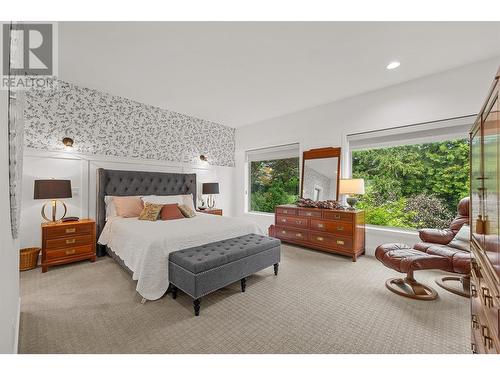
pixel 212 211
pixel 67 242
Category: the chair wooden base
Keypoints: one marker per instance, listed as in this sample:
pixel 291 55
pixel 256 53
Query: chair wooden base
pixel 459 285
pixel 410 288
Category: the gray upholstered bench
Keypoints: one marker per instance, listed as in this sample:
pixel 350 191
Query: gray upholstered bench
pixel 201 270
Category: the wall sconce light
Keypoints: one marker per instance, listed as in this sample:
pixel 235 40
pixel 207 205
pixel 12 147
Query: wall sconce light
pixel 203 158
pixel 68 142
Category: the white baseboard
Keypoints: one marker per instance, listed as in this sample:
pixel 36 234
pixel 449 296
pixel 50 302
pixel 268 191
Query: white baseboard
pixel 16 333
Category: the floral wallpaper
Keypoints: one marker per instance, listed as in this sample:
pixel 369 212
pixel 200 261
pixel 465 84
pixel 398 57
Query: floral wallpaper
pixel 104 124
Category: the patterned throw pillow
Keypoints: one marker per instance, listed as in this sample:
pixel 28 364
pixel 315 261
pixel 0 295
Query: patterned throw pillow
pixel 151 211
pixel 186 211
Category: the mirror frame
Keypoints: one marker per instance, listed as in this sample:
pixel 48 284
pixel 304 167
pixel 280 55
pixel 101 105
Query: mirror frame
pixel 321 153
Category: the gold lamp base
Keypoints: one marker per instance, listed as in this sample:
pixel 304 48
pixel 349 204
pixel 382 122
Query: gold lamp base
pixel 53 204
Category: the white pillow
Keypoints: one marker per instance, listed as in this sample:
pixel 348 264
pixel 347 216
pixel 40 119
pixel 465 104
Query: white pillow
pixel 110 206
pixel 163 199
pixel 461 240
pixel 186 199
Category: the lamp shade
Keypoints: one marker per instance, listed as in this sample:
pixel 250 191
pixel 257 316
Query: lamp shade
pixel 52 189
pixel 210 188
pixel 352 186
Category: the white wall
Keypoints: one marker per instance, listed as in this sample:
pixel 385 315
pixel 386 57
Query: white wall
pixel 9 256
pixel 81 170
pixel 449 94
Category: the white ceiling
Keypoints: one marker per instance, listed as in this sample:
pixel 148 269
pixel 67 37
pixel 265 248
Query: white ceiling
pixel 240 73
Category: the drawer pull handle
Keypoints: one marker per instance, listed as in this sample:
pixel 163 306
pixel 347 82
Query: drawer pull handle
pixel 320 238
pixel 336 216
pixel 283 220
pixel 299 234
pixel 309 213
pixel 298 222
pixel 71 230
pixel 488 299
pixel 340 242
pixel 321 225
pixel 473 290
pixel 340 228
pixel 487 340
pixel 475 322
pixel 73 240
pixel 285 211
pixel 283 232
pixel 70 252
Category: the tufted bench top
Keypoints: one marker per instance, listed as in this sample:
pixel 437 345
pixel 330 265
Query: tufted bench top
pixel 206 257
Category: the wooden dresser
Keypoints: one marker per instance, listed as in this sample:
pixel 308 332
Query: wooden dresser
pixel 67 242
pixel 485 226
pixel 212 211
pixel 334 231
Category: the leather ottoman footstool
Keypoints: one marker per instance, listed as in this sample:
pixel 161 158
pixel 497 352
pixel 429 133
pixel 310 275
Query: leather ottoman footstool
pixel 201 270
pixel 404 259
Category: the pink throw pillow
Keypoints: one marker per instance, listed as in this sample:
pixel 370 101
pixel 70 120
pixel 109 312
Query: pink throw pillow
pixel 128 206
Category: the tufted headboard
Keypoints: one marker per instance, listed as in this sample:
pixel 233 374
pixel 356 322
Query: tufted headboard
pixel 114 182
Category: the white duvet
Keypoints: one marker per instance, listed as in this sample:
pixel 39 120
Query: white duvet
pixel 144 245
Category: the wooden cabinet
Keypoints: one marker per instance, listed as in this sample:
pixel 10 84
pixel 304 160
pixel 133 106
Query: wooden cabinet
pixel 485 240
pixel 212 211
pixel 67 242
pixel 334 231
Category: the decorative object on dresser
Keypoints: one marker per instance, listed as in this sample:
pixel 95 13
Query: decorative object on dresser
pixel 210 188
pixel 52 190
pixel 68 242
pixel 212 211
pixel 334 231
pixel 319 221
pixel 485 226
pixel 352 186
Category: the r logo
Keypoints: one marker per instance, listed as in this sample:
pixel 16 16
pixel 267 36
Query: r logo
pixel 35 56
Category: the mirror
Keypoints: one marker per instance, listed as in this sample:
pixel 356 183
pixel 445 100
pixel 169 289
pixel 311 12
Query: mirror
pixel 321 174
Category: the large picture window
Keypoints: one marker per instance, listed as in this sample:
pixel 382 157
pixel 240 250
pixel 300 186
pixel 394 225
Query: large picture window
pixel 273 177
pixel 413 186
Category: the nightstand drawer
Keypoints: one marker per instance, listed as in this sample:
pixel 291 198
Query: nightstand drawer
pixel 70 251
pixel 69 230
pixel 70 241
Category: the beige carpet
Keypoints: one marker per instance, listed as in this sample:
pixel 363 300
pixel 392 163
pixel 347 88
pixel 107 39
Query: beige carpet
pixel 319 303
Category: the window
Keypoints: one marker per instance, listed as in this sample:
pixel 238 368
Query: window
pixel 273 177
pixel 417 184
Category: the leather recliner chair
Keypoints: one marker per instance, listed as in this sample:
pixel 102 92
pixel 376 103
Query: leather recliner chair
pixel 440 250
pixel 437 241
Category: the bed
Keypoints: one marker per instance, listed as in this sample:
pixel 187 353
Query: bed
pixel 143 247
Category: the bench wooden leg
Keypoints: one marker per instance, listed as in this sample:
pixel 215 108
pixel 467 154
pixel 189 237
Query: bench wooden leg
pixel 196 306
pixel 243 285
pixel 276 269
pixel 174 291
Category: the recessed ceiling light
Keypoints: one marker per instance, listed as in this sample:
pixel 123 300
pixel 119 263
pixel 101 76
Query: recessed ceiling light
pixel 393 65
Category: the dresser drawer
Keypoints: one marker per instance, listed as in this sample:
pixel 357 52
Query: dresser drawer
pixel 309 213
pixel 69 252
pixel 69 230
pixel 335 215
pixel 337 227
pixel 70 241
pixel 291 234
pixel 322 239
pixel 291 221
pixel 286 211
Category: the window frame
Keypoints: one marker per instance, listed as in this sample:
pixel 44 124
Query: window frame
pixel 248 177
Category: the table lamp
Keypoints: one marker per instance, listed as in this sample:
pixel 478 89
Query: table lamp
pixel 352 186
pixel 210 188
pixel 52 190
